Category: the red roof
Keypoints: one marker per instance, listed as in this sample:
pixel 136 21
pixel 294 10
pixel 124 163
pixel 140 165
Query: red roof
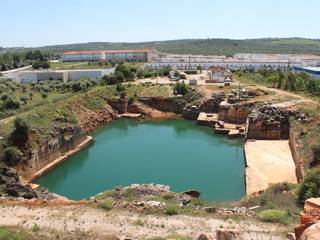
pixel 109 51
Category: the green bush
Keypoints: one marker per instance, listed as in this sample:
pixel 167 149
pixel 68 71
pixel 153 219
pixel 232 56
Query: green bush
pixel 171 209
pixel 310 186
pixel 12 156
pixel 20 134
pixel 180 88
pixel 107 204
pixel 273 216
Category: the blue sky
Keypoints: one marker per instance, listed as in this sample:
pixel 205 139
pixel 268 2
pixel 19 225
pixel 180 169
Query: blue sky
pixel 47 22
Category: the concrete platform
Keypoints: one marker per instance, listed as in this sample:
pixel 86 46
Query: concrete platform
pixel 207 118
pixel 268 162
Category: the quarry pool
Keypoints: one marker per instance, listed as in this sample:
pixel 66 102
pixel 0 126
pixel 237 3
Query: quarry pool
pixel 177 153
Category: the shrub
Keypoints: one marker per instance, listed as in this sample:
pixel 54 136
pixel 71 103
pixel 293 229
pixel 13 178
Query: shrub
pixel 273 216
pixel 120 88
pixel 107 204
pixel 20 134
pixel 171 209
pixel 11 104
pixel 180 88
pixel 167 196
pixel 24 99
pixel 12 156
pixel 310 187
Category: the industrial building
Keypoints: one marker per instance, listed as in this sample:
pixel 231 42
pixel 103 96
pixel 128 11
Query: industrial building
pixel 141 55
pixel 62 75
pixel 312 71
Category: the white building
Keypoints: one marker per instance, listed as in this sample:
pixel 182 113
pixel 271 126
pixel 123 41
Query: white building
pixel 143 55
pixel 63 75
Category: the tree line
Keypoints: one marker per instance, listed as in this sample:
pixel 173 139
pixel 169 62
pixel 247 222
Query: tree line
pixel 286 80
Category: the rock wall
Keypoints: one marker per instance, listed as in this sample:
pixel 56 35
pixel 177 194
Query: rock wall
pixel 62 140
pixel 296 156
pixel 268 122
pixel 174 105
pixel 121 105
pixel 235 113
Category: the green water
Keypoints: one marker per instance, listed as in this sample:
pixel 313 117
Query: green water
pixel 177 153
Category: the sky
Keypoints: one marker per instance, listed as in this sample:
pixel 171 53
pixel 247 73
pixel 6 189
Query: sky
pixel 32 23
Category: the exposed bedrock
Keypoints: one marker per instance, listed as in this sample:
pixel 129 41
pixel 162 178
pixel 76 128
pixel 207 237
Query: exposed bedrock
pixel 10 184
pixel 121 105
pixel 174 104
pixel 62 140
pixel 270 122
pixel 235 113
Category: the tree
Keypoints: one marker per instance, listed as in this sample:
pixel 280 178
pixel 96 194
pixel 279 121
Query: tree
pixel 20 134
pixel 12 156
pixel 280 78
pixel 291 82
pixel 11 104
pixel 310 187
pixel 120 88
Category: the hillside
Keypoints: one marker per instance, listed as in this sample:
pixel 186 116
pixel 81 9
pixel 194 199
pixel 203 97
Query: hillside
pixel 206 46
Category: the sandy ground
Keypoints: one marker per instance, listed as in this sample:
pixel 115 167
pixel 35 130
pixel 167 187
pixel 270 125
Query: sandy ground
pixel 268 162
pixel 122 223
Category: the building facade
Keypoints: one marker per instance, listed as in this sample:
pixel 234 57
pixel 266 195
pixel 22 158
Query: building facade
pixel 312 71
pixel 62 75
pixel 139 55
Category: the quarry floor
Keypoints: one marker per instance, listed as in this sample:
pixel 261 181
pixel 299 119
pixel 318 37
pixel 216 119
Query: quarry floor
pixel 66 222
pixel 268 162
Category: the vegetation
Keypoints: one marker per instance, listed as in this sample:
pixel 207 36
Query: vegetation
pixel 10 233
pixel 180 88
pixel 295 82
pixel 37 58
pixel 274 216
pixel 107 204
pixel 206 46
pixel 280 197
pixel 171 209
pixel 310 186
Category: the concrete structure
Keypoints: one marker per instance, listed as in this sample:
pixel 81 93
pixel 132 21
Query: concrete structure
pixel 219 75
pixel 142 55
pixel 238 61
pixel 312 71
pixel 63 75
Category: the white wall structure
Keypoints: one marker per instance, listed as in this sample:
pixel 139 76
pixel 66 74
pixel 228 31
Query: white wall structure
pixel 143 55
pixel 312 71
pixel 63 75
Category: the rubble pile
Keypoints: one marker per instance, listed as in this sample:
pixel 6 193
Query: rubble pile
pixel 272 122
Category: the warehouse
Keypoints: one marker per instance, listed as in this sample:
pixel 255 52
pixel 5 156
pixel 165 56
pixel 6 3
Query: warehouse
pixel 141 55
pixel 62 75
pixel 312 71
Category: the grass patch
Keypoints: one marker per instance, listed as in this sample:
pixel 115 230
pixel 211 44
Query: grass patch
pixel 10 233
pixel 107 204
pixel 274 216
pixel 171 209
pixel 167 196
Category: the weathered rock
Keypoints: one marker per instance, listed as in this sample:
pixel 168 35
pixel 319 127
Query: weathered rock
pixel 312 232
pixel 121 105
pixel 18 190
pixel 193 193
pixel 203 237
pixel 226 234
pixel 8 175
